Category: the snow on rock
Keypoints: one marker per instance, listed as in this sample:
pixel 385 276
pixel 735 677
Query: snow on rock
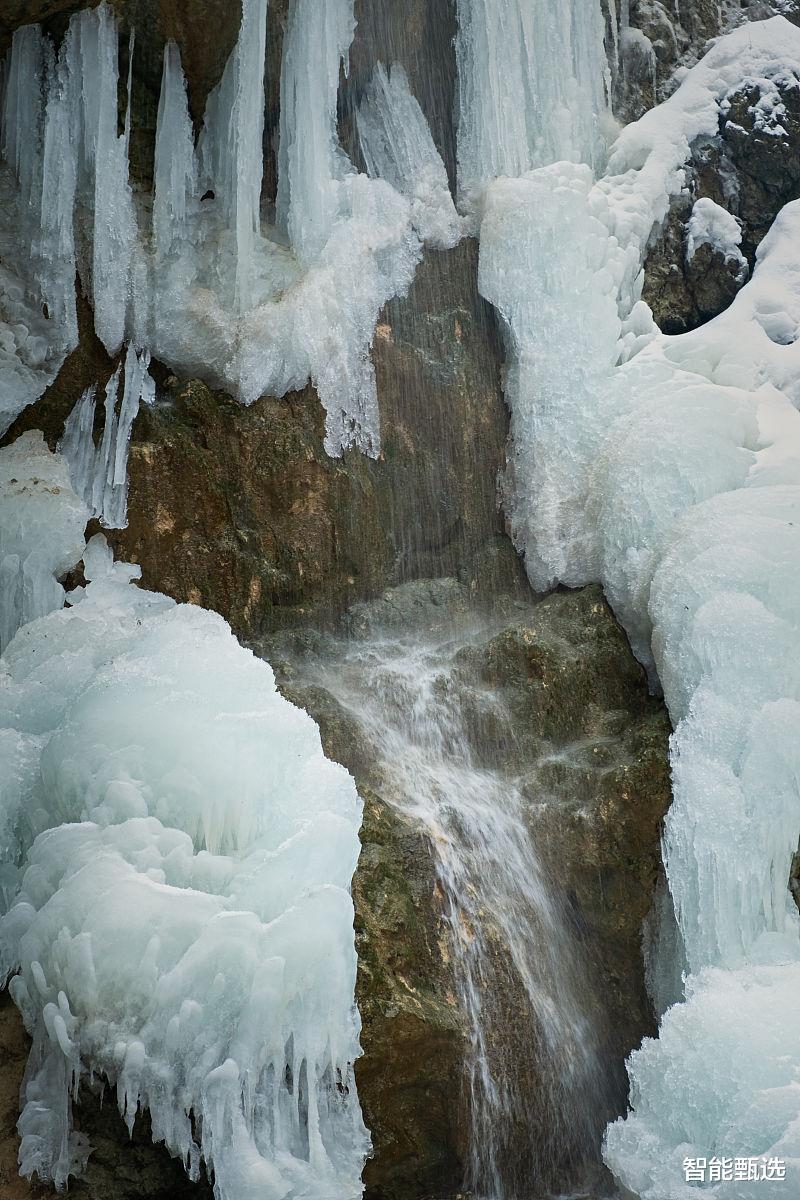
pixel 669 468
pixel 712 225
pixel 42 523
pixel 183 928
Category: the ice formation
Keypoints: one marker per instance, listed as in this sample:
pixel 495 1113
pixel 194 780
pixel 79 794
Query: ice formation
pixel 205 283
pixel 533 85
pixel 669 468
pixel 397 146
pixel 99 474
pixel 38 323
pixel 156 783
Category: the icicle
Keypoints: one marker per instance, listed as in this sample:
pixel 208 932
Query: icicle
pixel 397 146
pixel 105 161
pixel 59 180
pixel 310 158
pixel 100 474
pixel 175 171
pixel 23 110
pixel 231 146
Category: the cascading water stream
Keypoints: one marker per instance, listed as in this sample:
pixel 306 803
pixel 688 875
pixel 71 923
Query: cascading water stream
pixel 537 1086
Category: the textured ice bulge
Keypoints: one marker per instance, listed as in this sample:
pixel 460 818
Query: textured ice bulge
pixel 183 930
pixel 669 468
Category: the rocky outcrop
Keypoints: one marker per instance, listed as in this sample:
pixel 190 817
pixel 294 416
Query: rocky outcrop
pixel 662 36
pixel 751 171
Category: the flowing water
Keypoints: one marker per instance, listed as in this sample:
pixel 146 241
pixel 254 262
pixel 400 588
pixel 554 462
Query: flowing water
pixel 537 1084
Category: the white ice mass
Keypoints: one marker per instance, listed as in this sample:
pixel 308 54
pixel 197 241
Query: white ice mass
pixel 669 468
pixel 183 928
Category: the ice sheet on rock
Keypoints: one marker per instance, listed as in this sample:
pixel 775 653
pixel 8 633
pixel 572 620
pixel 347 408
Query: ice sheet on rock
pixel 42 524
pixel 712 225
pixel 397 146
pixel 99 474
pixel 184 927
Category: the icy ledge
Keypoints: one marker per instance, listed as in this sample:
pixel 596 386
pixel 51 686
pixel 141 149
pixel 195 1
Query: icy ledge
pixel 669 468
pixel 183 929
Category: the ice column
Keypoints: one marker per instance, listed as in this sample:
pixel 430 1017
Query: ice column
pixel 397 146
pixel 311 161
pixel 533 88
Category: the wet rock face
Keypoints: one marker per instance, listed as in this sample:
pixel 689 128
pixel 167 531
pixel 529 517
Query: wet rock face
pixel 413 1037
pixel 591 746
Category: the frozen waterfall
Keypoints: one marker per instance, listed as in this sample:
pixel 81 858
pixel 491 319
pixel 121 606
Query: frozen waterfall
pixel 669 468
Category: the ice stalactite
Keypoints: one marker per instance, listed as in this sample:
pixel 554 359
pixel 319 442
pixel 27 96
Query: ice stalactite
pixel 311 161
pixel 38 325
pixel 103 179
pixel 157 783
pixel 99 474
pixel 669 468
pixel 233 147
pixel 175 169
pixel 216 291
